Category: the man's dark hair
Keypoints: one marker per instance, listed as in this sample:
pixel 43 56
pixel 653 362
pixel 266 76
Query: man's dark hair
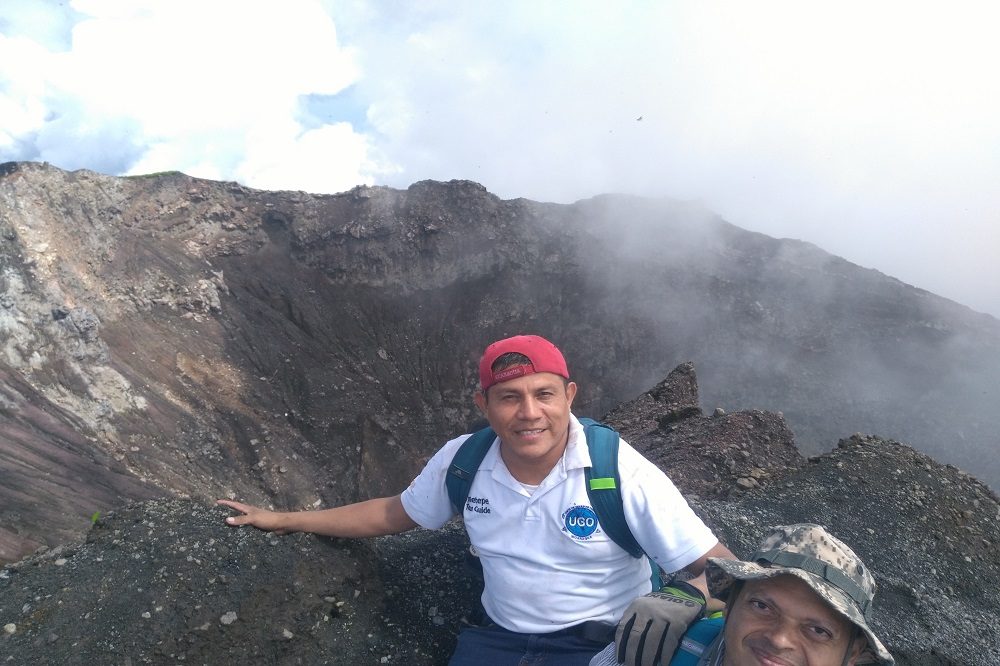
pixel 509 360
pixel 512 359
pixel 733 593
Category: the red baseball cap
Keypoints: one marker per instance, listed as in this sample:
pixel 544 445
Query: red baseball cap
pixel 544 357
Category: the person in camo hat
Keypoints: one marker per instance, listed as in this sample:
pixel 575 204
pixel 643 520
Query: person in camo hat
pixel 804 598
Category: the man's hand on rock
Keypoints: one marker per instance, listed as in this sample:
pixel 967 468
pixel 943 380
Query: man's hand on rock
pixel 652 626
pixel 269 521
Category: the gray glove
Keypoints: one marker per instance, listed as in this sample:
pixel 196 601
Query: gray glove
pixel 652 626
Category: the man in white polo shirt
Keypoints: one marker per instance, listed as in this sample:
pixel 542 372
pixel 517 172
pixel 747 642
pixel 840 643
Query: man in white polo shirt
pixel 551 574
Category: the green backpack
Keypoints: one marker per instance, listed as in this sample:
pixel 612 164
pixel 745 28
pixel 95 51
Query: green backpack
pixel 602 480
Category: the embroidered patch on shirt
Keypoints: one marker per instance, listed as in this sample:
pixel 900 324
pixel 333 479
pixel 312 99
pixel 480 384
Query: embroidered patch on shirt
pixel 477 505
pixel 580 522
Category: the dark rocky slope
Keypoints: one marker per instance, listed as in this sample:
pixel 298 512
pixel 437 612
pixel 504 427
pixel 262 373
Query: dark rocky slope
pixel 168 336
pixel 166 582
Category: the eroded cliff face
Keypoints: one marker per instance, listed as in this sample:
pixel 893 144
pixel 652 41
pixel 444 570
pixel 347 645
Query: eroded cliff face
pixel 168 336
pixel 166 581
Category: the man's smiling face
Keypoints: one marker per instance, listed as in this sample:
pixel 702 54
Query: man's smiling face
pixel 531 416
pixel 781 621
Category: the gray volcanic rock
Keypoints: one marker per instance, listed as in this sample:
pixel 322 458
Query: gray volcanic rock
pixel 166 581
pixel 706 457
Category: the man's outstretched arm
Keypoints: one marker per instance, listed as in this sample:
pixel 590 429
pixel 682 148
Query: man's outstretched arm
pixel 376 517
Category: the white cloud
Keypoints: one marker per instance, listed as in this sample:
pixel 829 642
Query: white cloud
pixel 870 129
pixel 327 159
pixel 21 105
pixel 199 87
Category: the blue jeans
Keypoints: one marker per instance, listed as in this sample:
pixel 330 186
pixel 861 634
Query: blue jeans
pixel 495 646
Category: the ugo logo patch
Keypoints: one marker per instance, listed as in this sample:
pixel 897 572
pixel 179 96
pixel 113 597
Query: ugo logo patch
pixel 581 522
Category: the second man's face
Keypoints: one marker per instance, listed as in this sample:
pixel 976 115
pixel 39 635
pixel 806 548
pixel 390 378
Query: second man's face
pixel 781 621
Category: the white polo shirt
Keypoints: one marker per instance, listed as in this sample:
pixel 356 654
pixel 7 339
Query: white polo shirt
pixel 547 563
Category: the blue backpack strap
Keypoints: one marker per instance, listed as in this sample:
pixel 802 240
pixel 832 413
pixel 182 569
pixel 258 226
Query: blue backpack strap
pixel 603 485
pixel 464 466
pixel 697 640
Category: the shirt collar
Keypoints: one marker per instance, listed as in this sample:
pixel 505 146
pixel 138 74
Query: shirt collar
pixel 577 453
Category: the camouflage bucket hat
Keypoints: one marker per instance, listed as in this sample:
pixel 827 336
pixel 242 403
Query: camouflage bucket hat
pixel 823 561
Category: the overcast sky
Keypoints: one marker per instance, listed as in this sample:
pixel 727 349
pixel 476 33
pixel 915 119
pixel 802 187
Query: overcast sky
pixel 871 129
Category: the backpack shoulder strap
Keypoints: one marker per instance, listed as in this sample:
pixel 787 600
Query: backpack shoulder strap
pixel 464 466
pixel 604 485
pixel 698 640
